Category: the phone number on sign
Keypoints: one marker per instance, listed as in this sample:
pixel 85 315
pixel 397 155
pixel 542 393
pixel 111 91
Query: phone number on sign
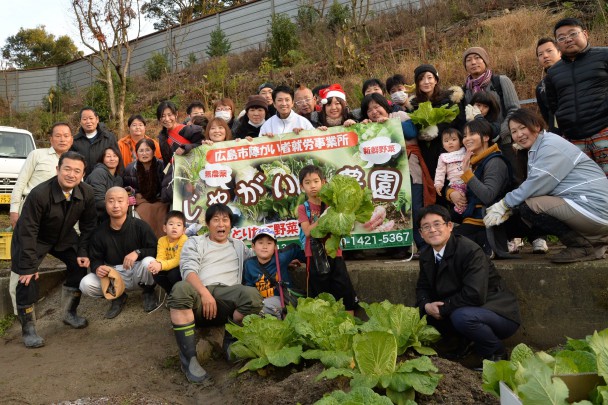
pixel 378 240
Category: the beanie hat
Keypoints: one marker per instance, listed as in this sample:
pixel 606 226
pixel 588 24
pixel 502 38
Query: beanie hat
pixel 423 69
pixel 264 85
pixel 256 101
pixel 335 90
pixel 479 51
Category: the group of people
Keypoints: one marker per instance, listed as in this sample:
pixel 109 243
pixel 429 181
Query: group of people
pixel 103 205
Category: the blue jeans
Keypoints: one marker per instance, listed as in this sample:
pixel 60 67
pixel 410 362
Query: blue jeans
pixel 484 327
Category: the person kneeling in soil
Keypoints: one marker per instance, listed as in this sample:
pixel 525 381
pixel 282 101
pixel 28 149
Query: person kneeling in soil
pixel 46 226
pixel 261 271
pixel 126 244
pixel 211 292
pixel 460 290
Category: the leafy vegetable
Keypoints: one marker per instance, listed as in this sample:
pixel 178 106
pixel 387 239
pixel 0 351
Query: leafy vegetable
pixel 532 375
pixel 540 388
pixel 356 396
pixel 326 328
pixel 404 323
pixel 426 116
pixel 375 366
pixel 265 341
pixel 347 203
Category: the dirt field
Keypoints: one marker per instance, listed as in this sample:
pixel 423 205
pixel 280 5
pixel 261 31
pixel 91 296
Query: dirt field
pixel 132 359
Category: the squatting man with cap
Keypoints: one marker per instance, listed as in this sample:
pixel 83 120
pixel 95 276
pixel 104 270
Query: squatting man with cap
pixel 46 226
pixel 211 292
pixel 126 244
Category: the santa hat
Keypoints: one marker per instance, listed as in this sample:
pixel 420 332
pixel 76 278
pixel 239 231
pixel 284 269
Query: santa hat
pixel 335 90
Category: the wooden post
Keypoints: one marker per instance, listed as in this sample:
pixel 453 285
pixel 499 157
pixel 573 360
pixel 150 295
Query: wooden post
pixel 423 43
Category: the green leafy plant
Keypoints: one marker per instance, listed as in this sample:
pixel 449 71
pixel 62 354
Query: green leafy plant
pixel 218 43
pixel 156 66
pixel 356 396
pixel 426 116
pixel 376 367
pixel 347 202
pixel 532 376
pixel 404 323
pixel 265 341
pixel 326 328
pixel 337 16
pixel 282 37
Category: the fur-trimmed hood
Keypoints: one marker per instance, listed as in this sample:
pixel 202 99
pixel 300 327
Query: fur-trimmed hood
pixel 457 94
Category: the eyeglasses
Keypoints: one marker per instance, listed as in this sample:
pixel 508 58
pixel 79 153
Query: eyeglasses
pixel 564 38
pixel 435 225
pixel 303 102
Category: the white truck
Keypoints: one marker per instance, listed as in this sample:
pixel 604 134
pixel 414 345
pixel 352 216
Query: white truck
pixel 15 145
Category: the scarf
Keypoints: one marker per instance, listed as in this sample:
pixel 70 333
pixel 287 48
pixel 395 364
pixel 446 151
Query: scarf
pixel 476 85
pixel 429 194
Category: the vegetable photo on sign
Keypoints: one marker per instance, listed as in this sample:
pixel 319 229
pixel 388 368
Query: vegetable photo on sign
pixel 368 184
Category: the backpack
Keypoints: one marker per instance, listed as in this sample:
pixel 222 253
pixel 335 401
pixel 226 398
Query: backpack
pixel 302 235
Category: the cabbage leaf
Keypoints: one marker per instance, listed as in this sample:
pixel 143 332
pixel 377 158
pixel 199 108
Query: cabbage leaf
pixel 347 202
pixel 426 116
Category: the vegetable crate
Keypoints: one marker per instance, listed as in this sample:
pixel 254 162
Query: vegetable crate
pixel 5 245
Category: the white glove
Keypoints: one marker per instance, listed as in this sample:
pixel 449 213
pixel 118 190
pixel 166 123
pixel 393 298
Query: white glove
pixel 497 214
pixel 517 146
pixel 471 112
pixel 402 115
pixel 429 133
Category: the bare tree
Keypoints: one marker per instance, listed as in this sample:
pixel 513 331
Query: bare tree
pixel 105 26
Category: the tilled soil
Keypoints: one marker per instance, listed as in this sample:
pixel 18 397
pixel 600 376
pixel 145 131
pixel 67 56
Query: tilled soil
pixel 132 359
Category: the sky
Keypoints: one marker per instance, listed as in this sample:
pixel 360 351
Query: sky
pixel 56 15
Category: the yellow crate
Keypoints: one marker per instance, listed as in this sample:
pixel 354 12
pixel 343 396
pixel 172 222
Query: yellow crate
pixel 5 245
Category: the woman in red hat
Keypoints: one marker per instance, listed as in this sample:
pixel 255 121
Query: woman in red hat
pixel 334 110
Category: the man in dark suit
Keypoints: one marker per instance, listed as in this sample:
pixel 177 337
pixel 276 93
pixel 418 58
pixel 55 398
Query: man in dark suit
pixel 46 226
pixel 460 290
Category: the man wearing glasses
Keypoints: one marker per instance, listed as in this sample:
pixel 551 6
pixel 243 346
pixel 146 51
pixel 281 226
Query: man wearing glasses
pixel 461 292
pixel 577 90
pixel 304 103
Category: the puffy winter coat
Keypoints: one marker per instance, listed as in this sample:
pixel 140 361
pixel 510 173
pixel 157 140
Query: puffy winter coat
pixel 577 91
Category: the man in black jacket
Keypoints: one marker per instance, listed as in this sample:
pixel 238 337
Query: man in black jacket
pixel 459 289
pixel 548 55
pixel 128 245
pixel 577 90
pixel 92 138
pixel 46 225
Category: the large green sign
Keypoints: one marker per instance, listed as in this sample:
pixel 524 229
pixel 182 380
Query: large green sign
pixel 259 180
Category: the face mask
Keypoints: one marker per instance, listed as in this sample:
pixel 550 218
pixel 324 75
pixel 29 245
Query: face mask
pixel 225 115
pixel 256 125
pixel 399 97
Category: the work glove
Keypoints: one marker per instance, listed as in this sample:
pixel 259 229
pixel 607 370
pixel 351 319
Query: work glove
pixel 517 146
pixel 471 112
pixel 497 214
pixel 428 133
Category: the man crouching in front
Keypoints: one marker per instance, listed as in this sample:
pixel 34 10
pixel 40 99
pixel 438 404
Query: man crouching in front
pixel 211 292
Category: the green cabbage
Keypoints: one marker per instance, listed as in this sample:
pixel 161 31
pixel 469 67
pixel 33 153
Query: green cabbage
pixel 426 116
pixel 346 203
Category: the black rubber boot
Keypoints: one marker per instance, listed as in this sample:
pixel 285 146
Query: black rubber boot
pixel 71 300
pixel 185 336
pixel 150 300
pixel 116 306
pixel 28 327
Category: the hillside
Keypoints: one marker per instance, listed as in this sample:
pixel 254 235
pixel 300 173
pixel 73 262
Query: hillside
pixel 382 46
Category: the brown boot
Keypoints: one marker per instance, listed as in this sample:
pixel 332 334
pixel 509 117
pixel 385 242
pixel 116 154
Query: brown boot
pixel 578 249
